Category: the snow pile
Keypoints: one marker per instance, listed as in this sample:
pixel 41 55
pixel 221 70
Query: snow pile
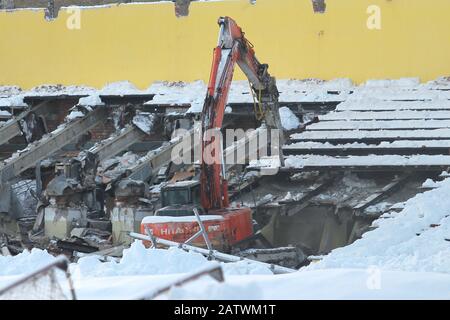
pixel 289 120
pixel 322 284
pixel 137 260
pixel 429 183
pixel 25 262
pixel 416 239
pixel 119 88
pixel 377 103
pixel 302 161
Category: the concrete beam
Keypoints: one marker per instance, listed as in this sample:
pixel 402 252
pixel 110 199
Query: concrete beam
pixel 9 130
pixel 112 146
pixel 12 128
pixel 156 159
pixel 14 166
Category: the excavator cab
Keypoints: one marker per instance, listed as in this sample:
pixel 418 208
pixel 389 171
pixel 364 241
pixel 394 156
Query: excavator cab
pixel 178 199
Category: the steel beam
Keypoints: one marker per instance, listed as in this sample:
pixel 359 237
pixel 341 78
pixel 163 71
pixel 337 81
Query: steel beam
pixel 53 142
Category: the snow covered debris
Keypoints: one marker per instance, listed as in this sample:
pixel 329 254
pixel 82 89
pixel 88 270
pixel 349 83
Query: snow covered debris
pixel 137 260
pixel 386 83
pixel 144 121
pixel 416 239
pixel 289 120
pixel 312 90
pixel 91 101
pixel 7 91
pixel 4 113
pixel 429 183
pixel 74 114
pixel 120 88
pixel 13 101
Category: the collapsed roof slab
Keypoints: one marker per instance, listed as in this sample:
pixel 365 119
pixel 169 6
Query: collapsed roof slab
pixel 11 168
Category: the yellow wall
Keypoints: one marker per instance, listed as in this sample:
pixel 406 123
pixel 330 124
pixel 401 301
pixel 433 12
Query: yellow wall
pixel 145 43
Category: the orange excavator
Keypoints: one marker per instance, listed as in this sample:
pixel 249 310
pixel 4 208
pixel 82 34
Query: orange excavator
pixel 186 203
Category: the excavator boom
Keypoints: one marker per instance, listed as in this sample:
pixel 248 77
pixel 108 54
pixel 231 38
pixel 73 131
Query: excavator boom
pixel 226 226
pixel 232 48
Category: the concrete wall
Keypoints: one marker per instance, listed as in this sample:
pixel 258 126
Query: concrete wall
pixel 144 43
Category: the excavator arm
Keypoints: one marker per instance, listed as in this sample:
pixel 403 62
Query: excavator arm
pixel 232 48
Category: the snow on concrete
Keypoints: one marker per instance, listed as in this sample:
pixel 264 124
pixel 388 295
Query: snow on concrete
pixel 377 103
pixel 4 113
pixel 179 93
pixel 289 120
pixel 403 144
pixel 371 160
pixel 13 101
pixel 144 121
pixel 193 94
pixel 74 114
pixel 91 101
pixel 7 91
pixel 387 115
pixel 57 90
pixel 380 124
pixel 379 134
pixel 314 90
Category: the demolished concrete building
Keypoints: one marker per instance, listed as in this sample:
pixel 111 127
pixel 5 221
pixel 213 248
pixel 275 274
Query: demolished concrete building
pixel 82 167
